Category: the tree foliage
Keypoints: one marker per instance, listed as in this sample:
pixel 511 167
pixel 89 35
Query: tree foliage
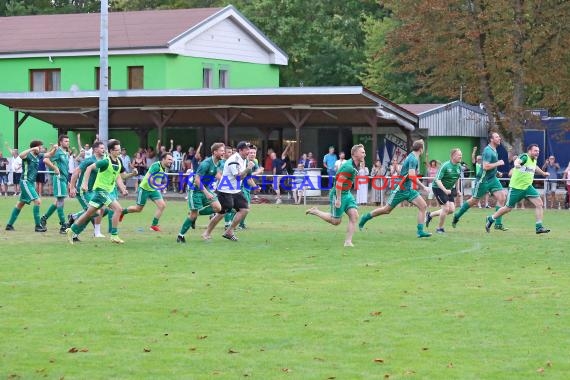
pixel 509 55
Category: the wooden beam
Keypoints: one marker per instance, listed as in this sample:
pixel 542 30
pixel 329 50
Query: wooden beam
pixel 226 118
pixel 372 119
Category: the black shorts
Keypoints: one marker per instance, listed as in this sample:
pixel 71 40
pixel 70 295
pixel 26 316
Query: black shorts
pixel 232 201
pixel 41 178
pixel 443 198
pixel 16 178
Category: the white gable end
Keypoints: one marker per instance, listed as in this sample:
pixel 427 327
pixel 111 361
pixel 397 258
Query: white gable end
pixel 224 40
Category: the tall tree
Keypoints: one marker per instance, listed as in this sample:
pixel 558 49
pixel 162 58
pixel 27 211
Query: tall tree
pixel 495 50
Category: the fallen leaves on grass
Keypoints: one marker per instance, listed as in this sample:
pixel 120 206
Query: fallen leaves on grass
pixel 232 351
pixel 376 313
pixel 378 360
pixel 74 350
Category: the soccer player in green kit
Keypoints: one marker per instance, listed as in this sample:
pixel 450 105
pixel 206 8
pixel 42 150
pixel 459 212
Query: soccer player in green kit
pixel 487 182
pixel 340 198
pixel 154 181
pixel 520 187
pixel 444 188
pixel 202 200
pixel 405 191
pixel 59 163
pixel 109 169
pixel 30 163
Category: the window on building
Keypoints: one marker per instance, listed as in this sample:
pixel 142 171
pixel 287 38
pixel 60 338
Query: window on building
pixel 224 78
pixel 97 77
pixel 136 77
pixel 45 80
pixel 207 77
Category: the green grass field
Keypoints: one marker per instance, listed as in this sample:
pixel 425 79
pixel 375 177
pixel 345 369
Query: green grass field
pixel 287 301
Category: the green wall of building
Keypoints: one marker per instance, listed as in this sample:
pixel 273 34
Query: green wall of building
pixel 439 147
pixel 161 71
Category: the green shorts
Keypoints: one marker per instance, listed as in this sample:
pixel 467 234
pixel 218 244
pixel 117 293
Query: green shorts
pixel 516 195
pixel 144 195
pixel 197 201
pixel 399 195
pixel 59 186
pixel 28 192
pixel 483 187
pixel 84 198
pixel 100 198
pixel 347 202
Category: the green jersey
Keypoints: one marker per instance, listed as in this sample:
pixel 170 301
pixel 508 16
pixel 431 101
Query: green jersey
pixel 30 165
pixel 152 180
pixel 345 177
pixel 207 171
pixel 490 156
pixel 448 174
pixel 522 177
pixel 61 160
pixel 107 175
pixel 410 163
pixel 83 166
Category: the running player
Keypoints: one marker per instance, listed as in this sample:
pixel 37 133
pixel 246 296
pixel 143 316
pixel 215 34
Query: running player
pixel 341 199
pixel 59 163
pixel 405 191
pixel 520 187
pixel 30 163
pixel 444 188
pixel 151 185
pixel 487 182
pixel 109 170
pixel 201 197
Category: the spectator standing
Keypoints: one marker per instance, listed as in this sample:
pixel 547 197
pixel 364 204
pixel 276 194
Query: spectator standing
pixel 139 163
pixel 341 160
pixel 16 171
pixel 299 174
pixel 3 174
pixel 362 188
pixel 177 157
pixel 551 167
pixel 328 163
pixel 376 183
pixel 268 164
pixel 278 168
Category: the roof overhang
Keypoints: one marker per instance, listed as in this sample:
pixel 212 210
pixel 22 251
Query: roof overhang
pixel 263 108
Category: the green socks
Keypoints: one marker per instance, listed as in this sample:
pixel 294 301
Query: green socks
pixel 14 216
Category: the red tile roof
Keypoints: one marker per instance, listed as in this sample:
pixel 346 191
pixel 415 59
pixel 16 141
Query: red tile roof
pixel 75 32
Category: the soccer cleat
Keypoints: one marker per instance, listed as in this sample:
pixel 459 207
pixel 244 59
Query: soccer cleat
pixel 99 235
pixel 488 223
pixel 180 239
pixel 155 228
pixel 423 234
pixel 76 239
pixel 363 220
pixel 40 229
pixel 10 227
pixel 348 244
pixel 63 228
pixel 278 201
pixel 242 227
pixel 231 237
pixel 43 221
pixel 428 219
pixel 69 234
pixel 70 220
pixel 454 222
pixel 116 239
pixel 501 227
pixel 542 230
pixel 440 231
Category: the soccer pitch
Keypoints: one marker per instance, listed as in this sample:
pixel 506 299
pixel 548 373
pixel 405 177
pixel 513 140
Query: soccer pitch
pixel 287 301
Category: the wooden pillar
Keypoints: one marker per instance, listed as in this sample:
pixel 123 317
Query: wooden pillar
pixel 16 125
pixel 226 118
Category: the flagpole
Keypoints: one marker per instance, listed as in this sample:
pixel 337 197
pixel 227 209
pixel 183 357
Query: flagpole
pixel 104 74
